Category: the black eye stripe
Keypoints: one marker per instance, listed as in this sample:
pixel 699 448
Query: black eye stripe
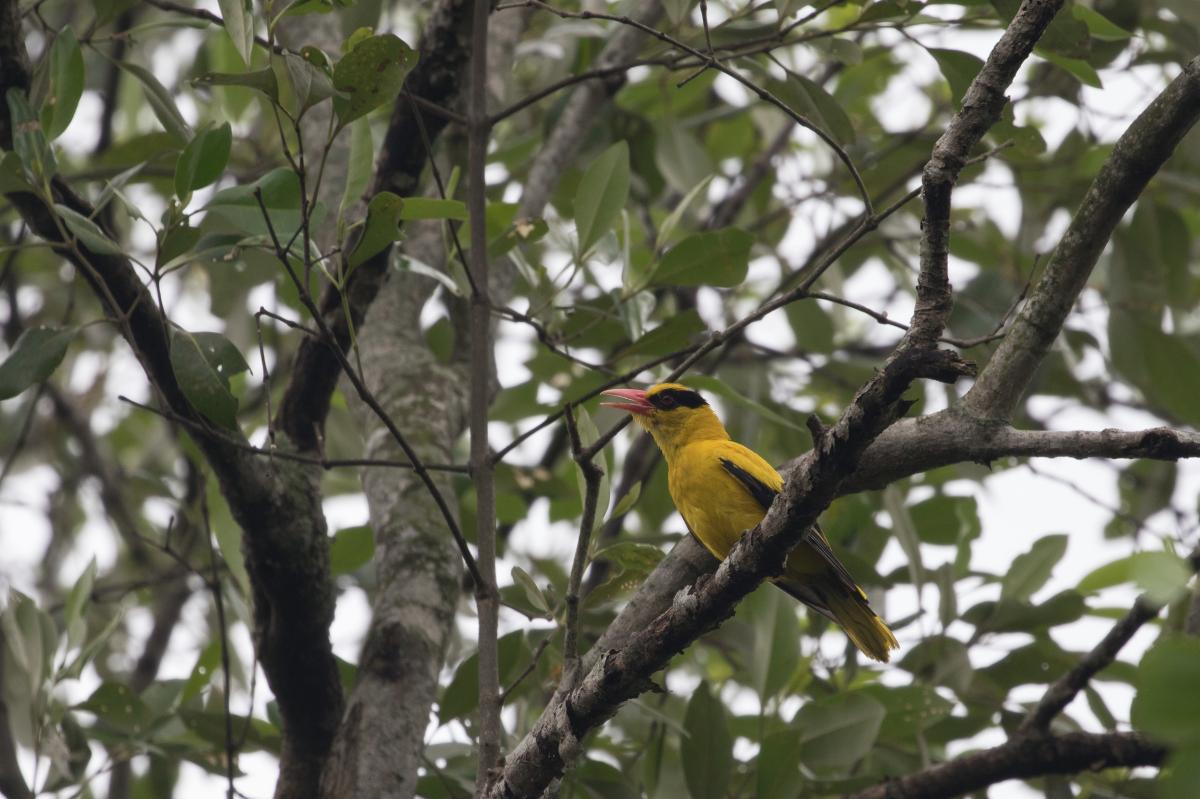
pixel 674 397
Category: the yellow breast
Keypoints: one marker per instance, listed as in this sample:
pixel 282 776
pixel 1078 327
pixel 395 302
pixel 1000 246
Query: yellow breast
pixel 715 506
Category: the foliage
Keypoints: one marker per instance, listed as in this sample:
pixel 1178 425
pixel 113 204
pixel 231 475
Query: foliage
pixel 689 202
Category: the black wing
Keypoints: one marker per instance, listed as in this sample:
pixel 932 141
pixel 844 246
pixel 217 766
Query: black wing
pixel 761 492
pixel 765 495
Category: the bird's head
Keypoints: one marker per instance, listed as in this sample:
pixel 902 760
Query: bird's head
pixel 673 413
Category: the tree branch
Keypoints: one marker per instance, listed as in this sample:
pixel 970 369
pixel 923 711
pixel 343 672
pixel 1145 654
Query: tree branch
pixel 1022 758
pixel 1060 694
pixel 1137 156
pixel 279 510
pixel 483 475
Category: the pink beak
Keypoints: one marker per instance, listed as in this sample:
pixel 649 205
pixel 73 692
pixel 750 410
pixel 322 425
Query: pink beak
pixel 634 401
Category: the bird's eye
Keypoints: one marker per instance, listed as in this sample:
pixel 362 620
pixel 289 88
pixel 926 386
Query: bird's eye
pixel 667 401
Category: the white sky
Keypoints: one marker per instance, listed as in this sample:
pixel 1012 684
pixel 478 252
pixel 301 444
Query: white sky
pixel 1016 507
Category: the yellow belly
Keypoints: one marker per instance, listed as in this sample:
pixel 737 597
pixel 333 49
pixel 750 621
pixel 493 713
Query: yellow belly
pixel 715 506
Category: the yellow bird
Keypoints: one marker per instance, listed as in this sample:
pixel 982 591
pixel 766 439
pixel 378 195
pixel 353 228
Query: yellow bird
pixel 722 489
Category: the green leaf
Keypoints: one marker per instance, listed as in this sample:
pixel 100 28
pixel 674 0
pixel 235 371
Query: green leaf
pixel 707 748
pixel 66 83
pixel 958 68
pixel 946 520
pixel 462 694
pixel 680 157
pixel 1162 575
pixel 1030 571
pixel 262 80
pixel 280 190
pixel 358 173
pixel 667 229
pixel 75 609
pixel 204 387
pixel 713 258
pixel 910 709
pixel 352 548
pixel 301 7
pixel 311 84
pixel 601 195
pixel 627 501
pixel 209 725
pixel 671 335
pixel 29 140
pixel 1167 704
pixel 119 707
pixel 238 16
pixel 776 648
pixel 203 160
pixel 161 102
pixel 839 730
pixel 532 592
pixel 778 767
pixel 1098 25
pixel 905 530
pixel 1011 615
pixel 1084 72
pixel 1162 366
pixel 12 174
pixel 370 75
pixel 1181 777
pixel 33 358
pixel 206 665
pixel 87 232
pixel 807 97
pixel 222 355
pixel 432 208
pixel 812 326
pixel 381 229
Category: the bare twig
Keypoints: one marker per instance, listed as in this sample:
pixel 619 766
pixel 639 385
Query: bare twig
pixel 592 475
pixel 487 598
pixel 365 394
pixel 762 93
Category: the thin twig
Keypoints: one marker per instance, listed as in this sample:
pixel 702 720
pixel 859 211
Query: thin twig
pixel 487 598
pixel 533 661
pixel 762 93
pixel 282 454
pixel 592 474
pixel 367 397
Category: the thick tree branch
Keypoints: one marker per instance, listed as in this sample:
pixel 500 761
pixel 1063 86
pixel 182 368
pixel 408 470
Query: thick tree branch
pixel 279 510
pixel 952 436
pixel 981 108
pixel 1022 758
pixel 1136 158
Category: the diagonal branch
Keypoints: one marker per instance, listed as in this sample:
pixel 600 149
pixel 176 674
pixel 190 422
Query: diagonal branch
pixel 1060 694
pixel 1136 158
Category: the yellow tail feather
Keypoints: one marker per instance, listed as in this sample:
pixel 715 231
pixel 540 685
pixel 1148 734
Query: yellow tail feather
pixel 865 629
